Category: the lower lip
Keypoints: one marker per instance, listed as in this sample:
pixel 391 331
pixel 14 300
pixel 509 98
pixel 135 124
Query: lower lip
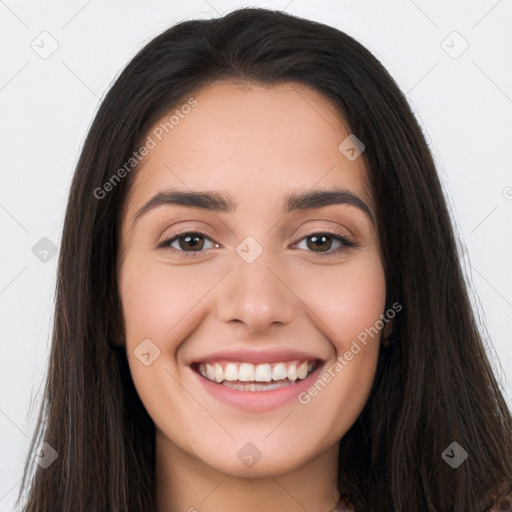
pixel 258 401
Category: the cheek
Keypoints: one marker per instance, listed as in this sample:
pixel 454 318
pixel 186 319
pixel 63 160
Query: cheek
pixel 348 304
pixel 349 300
pixel 155 298
pixel 156 305
pixel 163 304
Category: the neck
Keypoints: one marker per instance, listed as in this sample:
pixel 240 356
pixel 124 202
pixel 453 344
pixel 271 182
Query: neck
pixel 185 484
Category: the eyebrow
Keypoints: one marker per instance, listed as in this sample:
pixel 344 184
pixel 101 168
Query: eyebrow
pixel 219 202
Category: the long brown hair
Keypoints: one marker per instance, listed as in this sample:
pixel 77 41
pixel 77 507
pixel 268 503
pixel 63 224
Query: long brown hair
pixel 434 384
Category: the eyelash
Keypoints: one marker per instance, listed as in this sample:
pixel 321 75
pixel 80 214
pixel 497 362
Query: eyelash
pixel 346 243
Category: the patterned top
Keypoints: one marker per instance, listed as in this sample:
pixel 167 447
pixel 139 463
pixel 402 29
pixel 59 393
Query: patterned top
pixel 502 503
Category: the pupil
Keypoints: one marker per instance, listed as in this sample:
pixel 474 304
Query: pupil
pixel 315 239
pixel 192 241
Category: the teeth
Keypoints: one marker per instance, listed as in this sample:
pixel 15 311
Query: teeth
pixel 303 370
pixel 231 372
pixel 291 372
pixel 263 373
pixel 218 373
pixel 279 372
pixel 247 372
pixel 256 387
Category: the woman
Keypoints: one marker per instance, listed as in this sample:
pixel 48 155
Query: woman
pixel 212 348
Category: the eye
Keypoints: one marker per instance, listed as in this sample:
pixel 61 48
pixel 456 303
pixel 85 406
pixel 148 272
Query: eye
pixel 192 240
pixel 324 242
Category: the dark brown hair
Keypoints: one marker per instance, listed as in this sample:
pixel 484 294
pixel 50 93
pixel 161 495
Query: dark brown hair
pixel 434 384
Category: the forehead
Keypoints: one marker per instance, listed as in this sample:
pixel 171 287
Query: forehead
pixel 253 140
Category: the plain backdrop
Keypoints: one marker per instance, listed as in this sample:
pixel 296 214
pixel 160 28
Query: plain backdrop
pixel 452 59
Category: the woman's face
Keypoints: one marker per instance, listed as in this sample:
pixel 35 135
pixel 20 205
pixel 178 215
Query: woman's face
pixel 224 323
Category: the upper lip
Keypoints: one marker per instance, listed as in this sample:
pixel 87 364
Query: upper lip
pixel 276 355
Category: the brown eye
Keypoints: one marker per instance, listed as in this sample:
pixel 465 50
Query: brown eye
pixel 188 242
pixel 321 243
pixel 194 242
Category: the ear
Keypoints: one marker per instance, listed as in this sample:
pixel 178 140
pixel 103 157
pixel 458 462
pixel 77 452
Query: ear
pixel 388 328
pixel 386 333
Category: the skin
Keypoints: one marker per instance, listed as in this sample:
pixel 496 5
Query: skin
pixel 255 143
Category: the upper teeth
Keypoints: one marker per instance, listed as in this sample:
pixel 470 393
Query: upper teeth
pixel 248 372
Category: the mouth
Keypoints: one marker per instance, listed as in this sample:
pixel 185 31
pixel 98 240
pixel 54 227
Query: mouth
pixel 249 377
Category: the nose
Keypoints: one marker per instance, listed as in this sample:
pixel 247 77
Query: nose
pixel 258 294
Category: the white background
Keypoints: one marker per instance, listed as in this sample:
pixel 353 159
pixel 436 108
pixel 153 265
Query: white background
pixel 46 105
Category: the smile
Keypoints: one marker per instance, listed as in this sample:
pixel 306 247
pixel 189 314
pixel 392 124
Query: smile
pixel 256 377
pixel 256 381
